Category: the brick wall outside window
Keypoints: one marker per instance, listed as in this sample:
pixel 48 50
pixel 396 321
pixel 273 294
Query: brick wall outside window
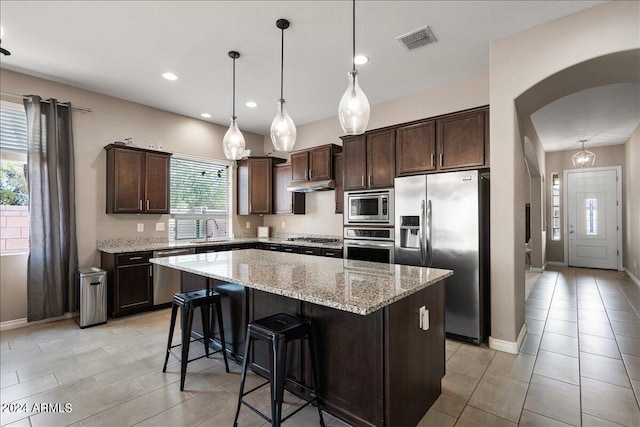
pixel 14 229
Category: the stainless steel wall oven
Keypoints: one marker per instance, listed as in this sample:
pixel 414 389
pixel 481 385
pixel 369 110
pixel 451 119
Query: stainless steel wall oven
pixel 369 244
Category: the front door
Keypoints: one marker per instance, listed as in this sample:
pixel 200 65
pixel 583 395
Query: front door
pixel 592 218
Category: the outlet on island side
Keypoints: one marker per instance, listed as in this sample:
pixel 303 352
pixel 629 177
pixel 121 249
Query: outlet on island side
pixel 159 226
pixel 424 318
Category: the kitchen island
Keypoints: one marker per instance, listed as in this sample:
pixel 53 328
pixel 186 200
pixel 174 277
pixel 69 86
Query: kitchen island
pixel 378 366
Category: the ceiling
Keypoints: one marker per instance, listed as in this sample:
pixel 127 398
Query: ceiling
pixel 122 49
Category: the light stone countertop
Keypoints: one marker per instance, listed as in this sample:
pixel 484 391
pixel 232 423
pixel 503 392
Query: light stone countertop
pixel 359 287
pixel 118 246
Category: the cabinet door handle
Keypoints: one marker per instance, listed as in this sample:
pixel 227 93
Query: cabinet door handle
pixel 250 207
pixel 329 254
pixel 133 258
pixel 140 204
pixel 150 271
pixel 148 204
pixel 369 181
pixel 362 181
pixel 310 173
pixel 306 174
pixel 432 159
pixel 441 159
pixel 308 252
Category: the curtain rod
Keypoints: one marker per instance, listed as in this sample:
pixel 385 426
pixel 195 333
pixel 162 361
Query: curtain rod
pixel 66 104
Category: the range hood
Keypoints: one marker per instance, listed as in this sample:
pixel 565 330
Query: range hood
pixel 312 186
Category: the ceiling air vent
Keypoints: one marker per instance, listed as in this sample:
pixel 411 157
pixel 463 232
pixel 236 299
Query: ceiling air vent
pixel 417 38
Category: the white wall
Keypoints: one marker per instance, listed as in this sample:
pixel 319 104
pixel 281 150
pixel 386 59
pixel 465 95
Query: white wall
pixel 518 63
pixel 631 204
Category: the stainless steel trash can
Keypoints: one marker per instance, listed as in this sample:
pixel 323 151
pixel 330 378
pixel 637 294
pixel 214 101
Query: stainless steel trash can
pixel 92 295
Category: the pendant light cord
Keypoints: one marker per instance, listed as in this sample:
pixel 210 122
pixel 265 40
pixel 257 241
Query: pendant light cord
pixel 282 66
pixel 353 57
pixel 234 88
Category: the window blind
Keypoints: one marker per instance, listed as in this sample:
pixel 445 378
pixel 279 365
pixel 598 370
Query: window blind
pixel 199 187
pixel 13 130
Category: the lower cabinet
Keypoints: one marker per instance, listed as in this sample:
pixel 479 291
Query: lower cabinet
pixel 129 282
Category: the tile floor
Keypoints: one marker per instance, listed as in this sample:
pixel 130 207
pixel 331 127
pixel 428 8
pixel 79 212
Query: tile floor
pixel 579 365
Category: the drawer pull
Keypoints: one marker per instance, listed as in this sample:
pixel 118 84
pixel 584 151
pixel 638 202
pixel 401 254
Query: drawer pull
pixel 329 254
pixel 308 252
pixel 133 258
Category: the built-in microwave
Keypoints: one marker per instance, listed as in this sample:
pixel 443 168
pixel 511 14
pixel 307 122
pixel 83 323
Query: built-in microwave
pixel 369 207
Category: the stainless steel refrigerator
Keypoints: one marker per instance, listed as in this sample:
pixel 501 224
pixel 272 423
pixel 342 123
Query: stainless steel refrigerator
pixel 442 221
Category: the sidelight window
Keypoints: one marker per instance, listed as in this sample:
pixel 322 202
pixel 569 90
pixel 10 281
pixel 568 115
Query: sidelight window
pixel 555 206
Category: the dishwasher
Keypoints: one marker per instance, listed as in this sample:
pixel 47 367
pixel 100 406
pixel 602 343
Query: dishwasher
pixel 166 281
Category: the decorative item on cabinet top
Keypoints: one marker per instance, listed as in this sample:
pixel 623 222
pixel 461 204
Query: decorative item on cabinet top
pixel 312 169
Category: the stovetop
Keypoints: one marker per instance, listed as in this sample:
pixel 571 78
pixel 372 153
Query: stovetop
pixel 312 239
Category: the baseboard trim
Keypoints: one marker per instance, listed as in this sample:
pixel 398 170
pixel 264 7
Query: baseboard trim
pixel 21 323
pixel 508 346
pixel 634 278
pixel 556 263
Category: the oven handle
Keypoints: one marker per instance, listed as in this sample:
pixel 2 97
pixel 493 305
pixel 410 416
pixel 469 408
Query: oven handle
pixel 369 244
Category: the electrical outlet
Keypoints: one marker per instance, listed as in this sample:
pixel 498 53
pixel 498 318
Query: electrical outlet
pixel 140 227
pixel 159 226
pixel 421 316
pixel 283 224
pixel 248 224
pixel 424 318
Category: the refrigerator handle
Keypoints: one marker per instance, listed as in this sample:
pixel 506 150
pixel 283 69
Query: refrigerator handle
pixel 422 235
pixel 429 235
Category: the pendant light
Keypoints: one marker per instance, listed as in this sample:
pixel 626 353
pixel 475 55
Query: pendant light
pixel 283 130
pixel 233 141
pixel 354 109
pixel 583 158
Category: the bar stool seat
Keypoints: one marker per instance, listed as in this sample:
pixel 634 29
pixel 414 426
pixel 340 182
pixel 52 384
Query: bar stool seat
pixel 278 330
pixel 188 301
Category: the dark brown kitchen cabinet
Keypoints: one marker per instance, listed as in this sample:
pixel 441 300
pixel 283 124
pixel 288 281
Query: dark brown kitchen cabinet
pixel 416 148
pixel 129 282
pixel 315 164
pixel 369 160
pixel 462 141
pixel 338 173
pixel 285 202
pixel 255 185
pixel 137 180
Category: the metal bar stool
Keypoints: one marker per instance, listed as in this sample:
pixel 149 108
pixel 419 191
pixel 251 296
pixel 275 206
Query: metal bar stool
pixel 278 330
pixel 189 301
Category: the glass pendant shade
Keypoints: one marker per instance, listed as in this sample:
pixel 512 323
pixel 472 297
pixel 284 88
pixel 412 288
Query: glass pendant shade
pixel 354 109
pixel 233 141
pixel 283 130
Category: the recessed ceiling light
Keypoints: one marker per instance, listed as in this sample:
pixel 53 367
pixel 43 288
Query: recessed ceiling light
pixel 170 76
pixel 361 59
pixel 251 104
pixel 206 115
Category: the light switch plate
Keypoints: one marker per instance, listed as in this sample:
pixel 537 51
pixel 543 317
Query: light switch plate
pixel 159 226
pixel 140 226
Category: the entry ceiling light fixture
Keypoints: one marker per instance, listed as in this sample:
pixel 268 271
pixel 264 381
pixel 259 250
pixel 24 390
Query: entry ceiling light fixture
pixel 283 130
pixel 354 109
pixel 233 141
pixel 583 158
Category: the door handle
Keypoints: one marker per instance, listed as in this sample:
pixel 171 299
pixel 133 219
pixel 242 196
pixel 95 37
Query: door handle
pixel 433 157
pixel 362 180
pixel 570 231
pixel 369 181
pixel 429 235
pixel 441 159
pixel 148 205
pixel 140 204
pixel 421 235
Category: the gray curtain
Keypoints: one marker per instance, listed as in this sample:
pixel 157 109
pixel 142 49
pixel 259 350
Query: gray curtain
pixel 53 256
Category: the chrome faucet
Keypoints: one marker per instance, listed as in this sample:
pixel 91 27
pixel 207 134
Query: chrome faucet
pixel 206 228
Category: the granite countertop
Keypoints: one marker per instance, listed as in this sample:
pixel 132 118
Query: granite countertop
pixel 116 246
pixel 359 287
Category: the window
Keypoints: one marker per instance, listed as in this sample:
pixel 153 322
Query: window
pixel 200 199
pixel 14 195
pixel 591 211
pixel 555 205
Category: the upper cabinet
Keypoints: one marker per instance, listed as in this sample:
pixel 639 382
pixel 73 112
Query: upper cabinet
pixel 285 202
pixel 314 164
pixel 416 148
pixel 453 142
pixel 369 160
pixel 463 141
pixel 137 180
pixel 255 183
pixel 338 173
